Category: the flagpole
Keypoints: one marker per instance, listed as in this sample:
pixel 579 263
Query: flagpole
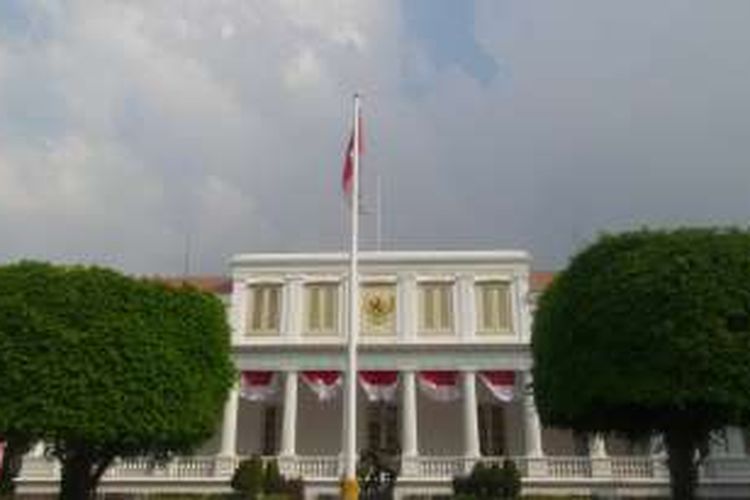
pixel 350 486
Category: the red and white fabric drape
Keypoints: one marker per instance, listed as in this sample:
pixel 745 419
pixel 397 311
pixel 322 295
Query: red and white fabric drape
pixel 500 383
pixel 258 385
pixel 379 385
pixel 440 385
pixel 324 383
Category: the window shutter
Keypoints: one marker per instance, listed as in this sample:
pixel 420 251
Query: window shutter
pixel 428 308
pixel 272 309
pixel 322 308
pixel 445 307
pixel 256 308
pixel 493 307
pixel 328 308
pixel 436 307
pixel 314 308
pixel 263 309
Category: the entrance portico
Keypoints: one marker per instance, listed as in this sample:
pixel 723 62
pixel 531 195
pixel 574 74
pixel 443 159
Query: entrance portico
pixel 460 420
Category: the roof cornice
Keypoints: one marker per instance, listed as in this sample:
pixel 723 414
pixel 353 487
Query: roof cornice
pixel 382 257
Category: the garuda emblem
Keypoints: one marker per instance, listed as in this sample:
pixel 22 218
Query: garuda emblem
pixel 379 307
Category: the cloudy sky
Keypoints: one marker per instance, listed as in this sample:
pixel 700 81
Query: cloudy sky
pixel 129 127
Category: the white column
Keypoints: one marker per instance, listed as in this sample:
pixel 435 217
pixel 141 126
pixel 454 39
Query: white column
pixel 238 309
pixel 289 422
pixel 597 446
pixel 38 449
pixel 532 427
pixel 522 306
pixel 406 309
pixel 229 427
pixel 735 441
pixel 471 421
pixel 292 315
pixel 601 465
pixel 467 306
pixel 409 435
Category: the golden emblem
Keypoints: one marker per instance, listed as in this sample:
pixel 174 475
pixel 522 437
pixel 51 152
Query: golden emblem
pixel 378 307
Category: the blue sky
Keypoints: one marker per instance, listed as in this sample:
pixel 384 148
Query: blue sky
pixel 127 126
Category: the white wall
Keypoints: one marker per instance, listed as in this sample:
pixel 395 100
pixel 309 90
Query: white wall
pixel 318 424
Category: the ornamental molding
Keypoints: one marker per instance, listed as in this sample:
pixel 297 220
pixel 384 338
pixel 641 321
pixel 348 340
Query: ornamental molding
pixel 332 356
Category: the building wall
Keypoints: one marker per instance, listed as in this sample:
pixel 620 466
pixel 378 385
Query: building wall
pixel 319 428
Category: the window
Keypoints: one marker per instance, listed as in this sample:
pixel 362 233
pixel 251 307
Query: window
pixel 436 308
pixel 491 430
pixel 321 308
pixel 493 307
pixel 378 309
pixel 263 309
pixel 382 427
pixel 269 430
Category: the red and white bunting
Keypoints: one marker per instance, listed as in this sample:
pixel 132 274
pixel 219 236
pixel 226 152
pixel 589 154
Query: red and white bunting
pixel 440 385
pixel 324 384
pixel 379 385
pixel 500 383
pixel 258 385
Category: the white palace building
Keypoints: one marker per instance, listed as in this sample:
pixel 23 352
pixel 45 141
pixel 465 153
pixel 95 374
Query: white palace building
pixel 444 382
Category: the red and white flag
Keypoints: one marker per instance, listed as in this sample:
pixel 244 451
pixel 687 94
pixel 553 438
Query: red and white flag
pixel 347 176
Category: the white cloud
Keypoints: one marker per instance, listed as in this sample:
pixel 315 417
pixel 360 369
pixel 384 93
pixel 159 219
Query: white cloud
pixel 127 125
pixel 302 70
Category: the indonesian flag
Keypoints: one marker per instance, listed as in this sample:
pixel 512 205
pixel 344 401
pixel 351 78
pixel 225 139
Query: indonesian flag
pixel 347 176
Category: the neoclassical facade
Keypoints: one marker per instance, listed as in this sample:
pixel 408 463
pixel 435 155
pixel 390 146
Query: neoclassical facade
pixel 444 381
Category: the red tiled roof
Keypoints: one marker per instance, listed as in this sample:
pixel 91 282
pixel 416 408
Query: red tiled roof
pixel 541 280
pixel 220 285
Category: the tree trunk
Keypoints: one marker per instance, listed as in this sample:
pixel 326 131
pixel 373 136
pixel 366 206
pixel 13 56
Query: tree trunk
pixel 682 445
pixel 15 448
pixel 76 482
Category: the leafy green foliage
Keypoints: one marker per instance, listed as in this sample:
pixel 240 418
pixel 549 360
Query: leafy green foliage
pixel 642 329
pixel 489 482
pixel 99 365
pixel 377 471
pixel 645 332
pixel 248 478
pixel 252 480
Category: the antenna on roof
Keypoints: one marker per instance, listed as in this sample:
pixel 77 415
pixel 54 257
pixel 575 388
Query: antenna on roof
pixel 378 214
pixel 186 257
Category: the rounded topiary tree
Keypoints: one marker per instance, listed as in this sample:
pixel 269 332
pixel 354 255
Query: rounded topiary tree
pixel 99 365
pixel 649 332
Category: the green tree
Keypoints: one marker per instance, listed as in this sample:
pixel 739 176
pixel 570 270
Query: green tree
pixel 649 332
pixel 99 365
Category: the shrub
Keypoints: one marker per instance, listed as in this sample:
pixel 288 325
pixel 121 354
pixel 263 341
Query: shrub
pixel 248 478
pixel 491 482
pixel 376 473
pixel 273 481
pixel 252 480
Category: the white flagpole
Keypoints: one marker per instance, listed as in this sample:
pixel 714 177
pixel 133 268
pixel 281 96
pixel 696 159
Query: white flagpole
pixel 350 477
